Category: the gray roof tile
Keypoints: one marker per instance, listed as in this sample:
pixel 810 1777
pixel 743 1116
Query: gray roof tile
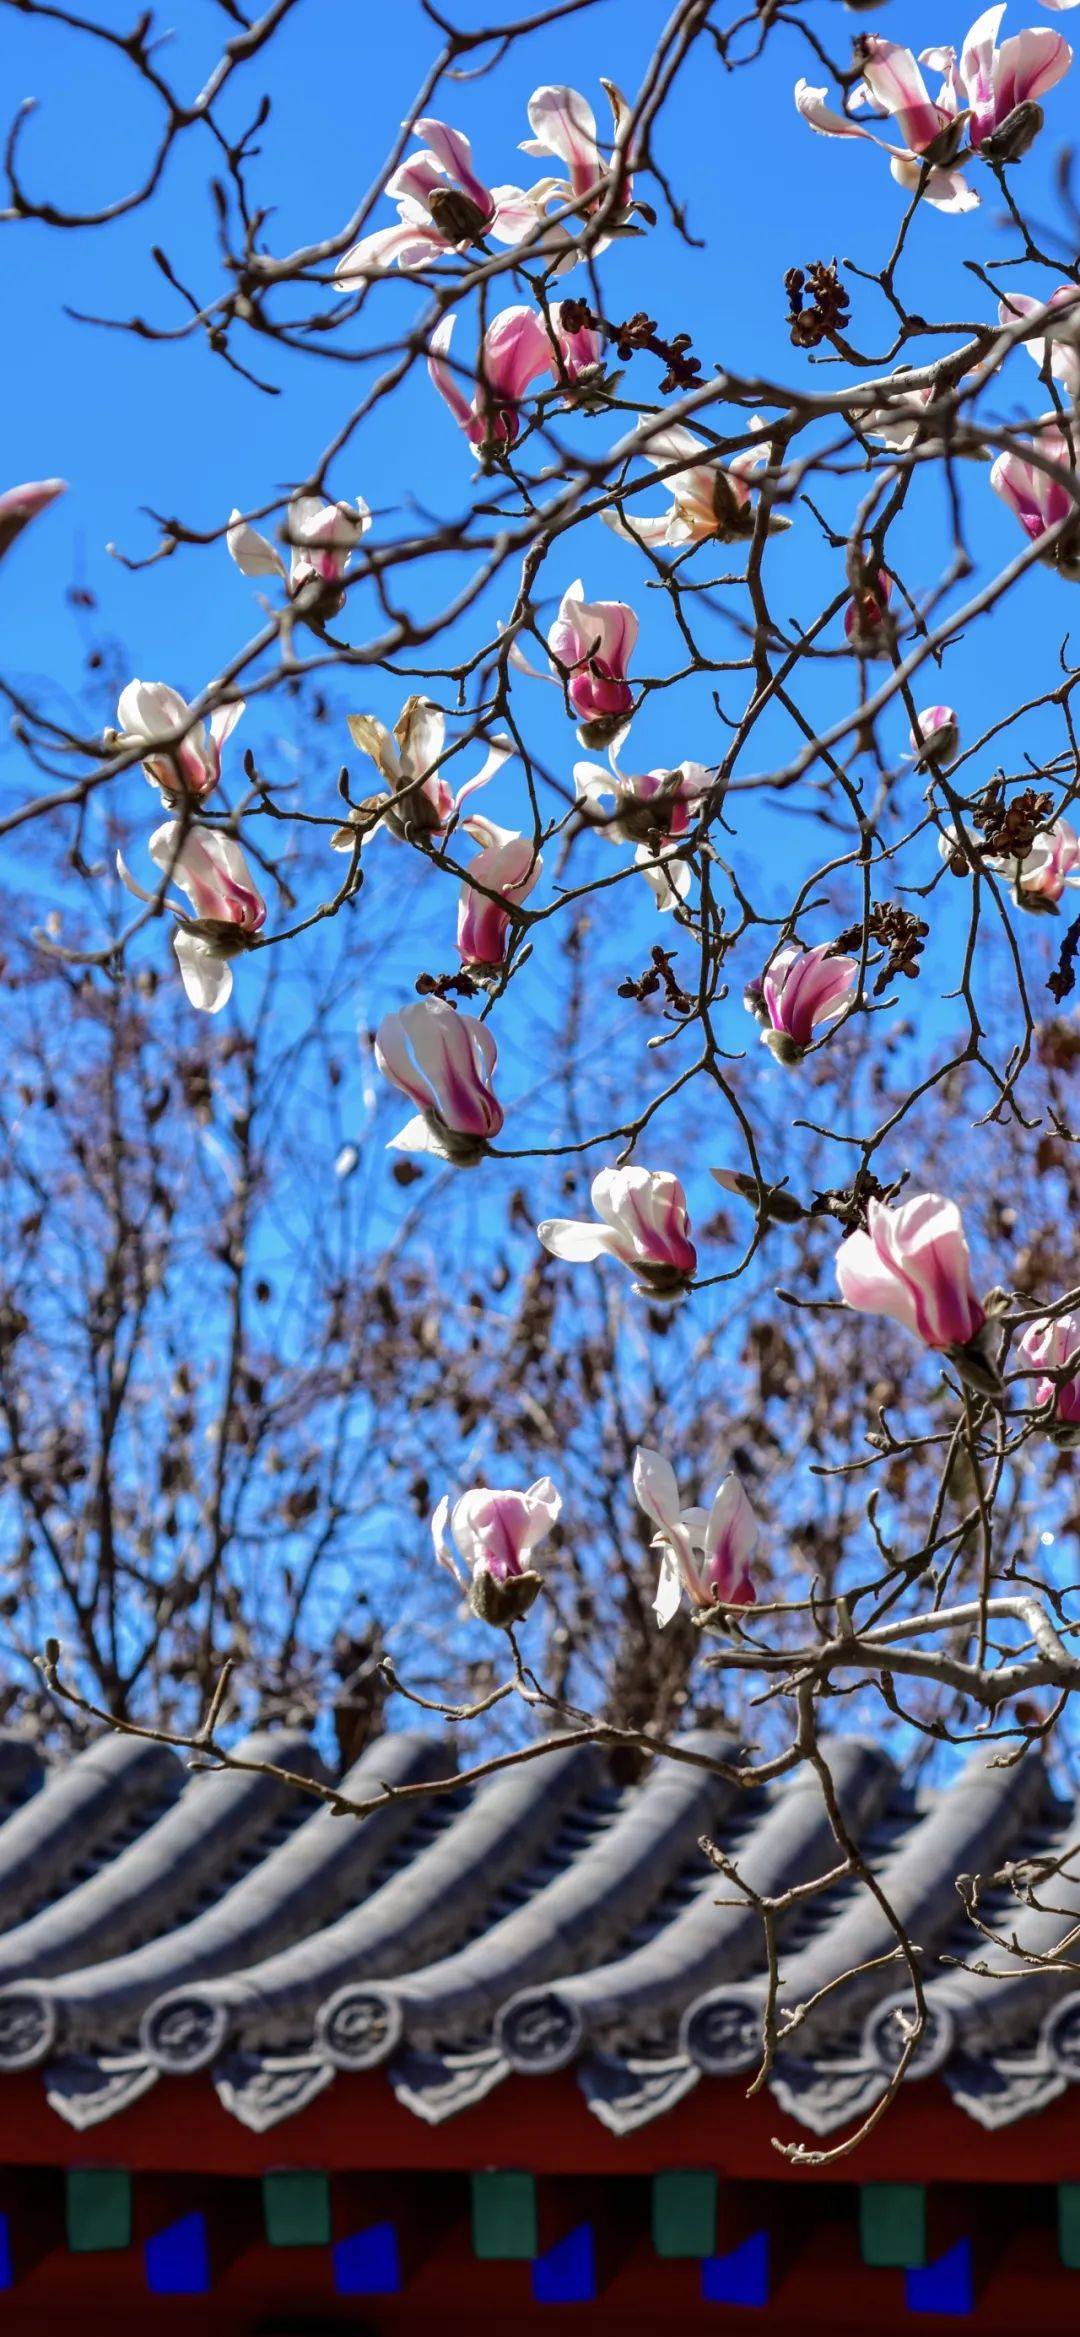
pixel 156 1921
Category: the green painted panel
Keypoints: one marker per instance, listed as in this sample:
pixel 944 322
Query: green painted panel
pixel 892 2224
pixel 1068 2207
pixel 684 2212
pixel 296 2208
pixel 98 2209
pixel 505 2223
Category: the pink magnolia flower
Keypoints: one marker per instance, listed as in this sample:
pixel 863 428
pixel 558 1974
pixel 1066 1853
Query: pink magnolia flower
pixel 912 1264
pixel 991 85
pixel 652 809
pixel 507 864
pixel 421 800
pixel 892 81
pixel 1060 335
pixel 442 207
pixel 19 505
pixel 1052 863
pixel 322 536
pixel 945 188
pixel 709 498
pixel 935 740
pixel 515 349
pixel 644 1222
pixel 564 127
pixel 868 624
pixel 229 910
pixel 496 1533
pixel 581 347
pixel 704 1552
pixel 1052 1344
pixel 592 642
pixel 900 418
pixel 800 990
pixel 153 713
pixel 1039 880
pixel 1041 501
pixel 989 94
pixel 444 1062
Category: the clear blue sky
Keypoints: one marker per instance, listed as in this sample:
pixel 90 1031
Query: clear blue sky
pixel 131 424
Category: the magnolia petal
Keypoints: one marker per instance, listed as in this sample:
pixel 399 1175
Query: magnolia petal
pixel 443 1549
pixel 373 738
pixel 253 554
pixel 544 1502
pixel 152 710
pixel 207 978
pixel 224 719
pixel 731 1532
pixel 19 505
pixel 498 754
pixel 668 877
pixel 810 103
pixel 418 1136
pixel 420 731
pixel 563 123
pixel 575 1239
pixel 131 883
pixel 444 380
pixel 656 1488
pixel 668 1598
pixel 409 245
pixel 395 1062
pixel 866 1285
pixel 594 784
pixel 641 527
pixel 945 190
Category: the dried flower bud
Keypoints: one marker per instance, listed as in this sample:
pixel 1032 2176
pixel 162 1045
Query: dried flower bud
pixel 456 215
pixel 1016 133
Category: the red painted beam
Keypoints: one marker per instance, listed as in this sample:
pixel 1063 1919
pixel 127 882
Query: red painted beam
pixel 181 2127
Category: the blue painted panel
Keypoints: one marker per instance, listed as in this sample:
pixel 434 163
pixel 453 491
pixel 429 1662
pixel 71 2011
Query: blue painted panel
pixel 946 2286
pixel 177 2260
pixel 741 2277
pixel 566 2273
pixel 7 2260
pixel 368 2263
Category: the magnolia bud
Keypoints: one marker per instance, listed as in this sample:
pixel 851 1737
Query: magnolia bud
pixel 976 1366
pixel 775 1202
pixel 456 215
pixel 943 150
pixel 733 519
pixel 599 732
pixel 1015 134
pixel 503 1602
pixel 783 1047
pixel 318 598
pixel 1064 555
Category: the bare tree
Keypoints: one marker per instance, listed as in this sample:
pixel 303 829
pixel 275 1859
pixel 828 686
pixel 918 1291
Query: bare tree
pixel 870 1336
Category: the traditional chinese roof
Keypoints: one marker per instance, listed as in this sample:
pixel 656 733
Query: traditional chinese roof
pixel 154 1921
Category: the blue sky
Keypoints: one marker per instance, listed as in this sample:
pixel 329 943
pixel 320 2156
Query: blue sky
pixel 132 425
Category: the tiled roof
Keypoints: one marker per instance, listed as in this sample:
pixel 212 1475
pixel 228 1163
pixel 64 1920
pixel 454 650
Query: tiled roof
pixel 155 1921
